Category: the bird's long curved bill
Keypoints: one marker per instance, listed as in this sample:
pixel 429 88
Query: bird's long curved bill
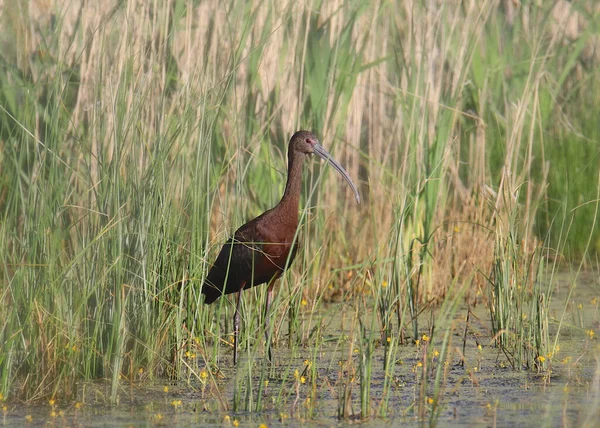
pixel 324 154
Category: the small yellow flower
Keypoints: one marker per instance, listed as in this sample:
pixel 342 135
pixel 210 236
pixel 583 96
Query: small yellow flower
pixel 389 339
pixel 203 374
pixel 141 370
pixel 53 414
pixel 591 333
pixel 307 363
pixel 263 426
pixel 236 423
pixel 266 383
pixel 456 229
pixel 4 409
pixel 78 405
pixel 566 360
pixel 158 417
pixel 594 301
pixel 176 403
pixel 296 374
pixel 479 347
pixel 436 353
pixel 541 359
pixel 356 351
pixel 303 302
pixel 580 306
pixel 430 400
pixel 61 413
pixel 29 418
pixel 419 364
pixel 302 379
pixel 226 419
pixel 74 348
pixel 425 338
pixel 166 389
pixel 51 401
pixel 384 284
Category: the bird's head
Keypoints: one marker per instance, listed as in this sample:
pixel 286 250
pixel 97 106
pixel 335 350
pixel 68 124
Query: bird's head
pixel 305 142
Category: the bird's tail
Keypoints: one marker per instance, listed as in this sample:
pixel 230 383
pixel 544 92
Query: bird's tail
pixel 211 293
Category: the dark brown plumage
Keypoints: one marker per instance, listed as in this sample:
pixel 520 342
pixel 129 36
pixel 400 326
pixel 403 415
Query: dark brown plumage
pixel 259 251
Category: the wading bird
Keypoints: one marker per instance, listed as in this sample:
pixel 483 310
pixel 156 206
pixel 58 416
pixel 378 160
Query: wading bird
pixel 261 250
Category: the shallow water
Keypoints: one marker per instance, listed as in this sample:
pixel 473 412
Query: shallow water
pixel 485 391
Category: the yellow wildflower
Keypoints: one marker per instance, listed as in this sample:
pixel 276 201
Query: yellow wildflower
pixel 203 374
pixel 236 423
pixel 303 302
pixel 384 284
pixel 78 405
pixel 430 400
pixel 29 418
pixel 302 379
pixel 425 338
pixel 166 389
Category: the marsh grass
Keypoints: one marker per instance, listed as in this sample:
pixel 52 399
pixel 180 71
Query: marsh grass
pixel 134 138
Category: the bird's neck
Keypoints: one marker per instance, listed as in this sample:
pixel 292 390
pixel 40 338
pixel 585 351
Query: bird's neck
pixel 291 195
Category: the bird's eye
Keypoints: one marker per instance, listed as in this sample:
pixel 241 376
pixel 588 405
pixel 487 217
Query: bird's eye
pixel 308 141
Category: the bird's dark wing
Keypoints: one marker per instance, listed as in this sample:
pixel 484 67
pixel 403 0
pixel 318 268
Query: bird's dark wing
pixel 233 267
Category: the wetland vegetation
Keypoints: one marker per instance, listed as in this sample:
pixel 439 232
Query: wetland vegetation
pixel 135 137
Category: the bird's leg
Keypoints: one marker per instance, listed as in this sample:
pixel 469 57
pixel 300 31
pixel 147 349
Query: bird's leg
pixel 236 324
pixel 267 307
